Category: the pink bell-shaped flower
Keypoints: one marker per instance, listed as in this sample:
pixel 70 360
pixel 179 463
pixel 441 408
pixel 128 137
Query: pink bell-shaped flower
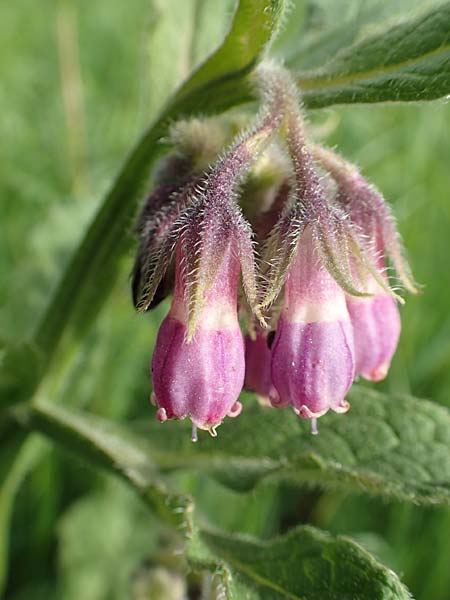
pixel 375 318
pixel 312 355
pixel 198 363
pixel 376 324
pixel 201 378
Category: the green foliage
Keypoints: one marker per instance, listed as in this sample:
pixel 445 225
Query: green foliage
pixel 305 564
pixel 416 67
pixel 19 370
pixel 12 475
pixel 108 446
pixel 389 445
pixel 89 567
pixel 392 446
pixel 323 28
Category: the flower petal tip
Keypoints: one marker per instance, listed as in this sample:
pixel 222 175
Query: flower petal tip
pixel 263 401
pixel 342 408
pixel 235 410
pixel 305 413
pixel 161 415
pixel 276 401
pixel 377 374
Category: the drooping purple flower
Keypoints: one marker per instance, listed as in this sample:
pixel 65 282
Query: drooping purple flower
pixel 198 363
pixel 322 281
pixel 312 355
pixel 376 330
pixel 309 255
pixel 375 319
pixel 201 378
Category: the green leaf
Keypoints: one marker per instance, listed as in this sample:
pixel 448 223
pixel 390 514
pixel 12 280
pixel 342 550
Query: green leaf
pixel 220 83
pixel 111 447
pixel 320 28
pixel 407 61
pixel 393 446
pixel 305 564
pixel 181 34
pixel 254 26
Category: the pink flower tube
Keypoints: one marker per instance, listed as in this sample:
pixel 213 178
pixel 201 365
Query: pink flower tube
pixel 201 378
pixel 376 327
pixel 312 355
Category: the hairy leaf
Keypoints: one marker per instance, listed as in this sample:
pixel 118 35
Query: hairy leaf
pixel 407 61
pixel 305 564
pixel 322 27
pixel 393 446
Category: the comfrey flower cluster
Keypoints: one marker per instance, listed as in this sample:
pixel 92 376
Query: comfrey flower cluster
pixel 279 236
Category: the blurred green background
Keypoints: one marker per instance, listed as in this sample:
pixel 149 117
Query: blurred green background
pixel 80 80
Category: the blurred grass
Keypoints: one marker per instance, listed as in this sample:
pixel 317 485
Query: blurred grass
pixel 79 82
